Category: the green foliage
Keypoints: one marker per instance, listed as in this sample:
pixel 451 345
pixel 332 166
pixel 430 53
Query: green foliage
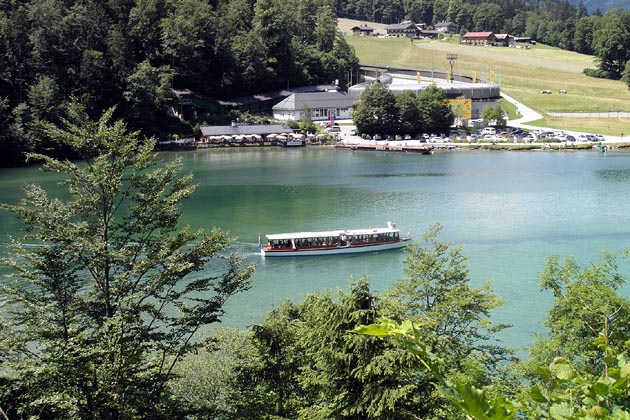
pixel 611 41
pixel 597 73
pixel 376 110
pixel 306 123
pixel 625 77
pixel 103 299
pixel 436 295
pixel 350 376
pixel 281 357
pixel 210 382
pixel 410 122
pixel 435 114
pixel 565 391
pixel 585 308
pixel 494 115
pixel 132 53
pixel 149 93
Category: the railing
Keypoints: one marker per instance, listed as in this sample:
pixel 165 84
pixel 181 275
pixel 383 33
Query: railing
pixel 609 114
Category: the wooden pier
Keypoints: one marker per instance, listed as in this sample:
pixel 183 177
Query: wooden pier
pixel 425 149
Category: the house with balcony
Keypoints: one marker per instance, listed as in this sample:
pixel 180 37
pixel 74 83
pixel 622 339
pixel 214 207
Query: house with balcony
pixel 479 38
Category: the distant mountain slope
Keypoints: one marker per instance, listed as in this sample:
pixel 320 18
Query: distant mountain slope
pixel 603 5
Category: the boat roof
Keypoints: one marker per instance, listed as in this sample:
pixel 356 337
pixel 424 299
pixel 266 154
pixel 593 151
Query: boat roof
pixel 328 233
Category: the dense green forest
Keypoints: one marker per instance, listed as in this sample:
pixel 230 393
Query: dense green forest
pixel 131 53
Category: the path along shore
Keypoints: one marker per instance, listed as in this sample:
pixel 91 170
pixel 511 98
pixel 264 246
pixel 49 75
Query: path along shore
pixel 527 115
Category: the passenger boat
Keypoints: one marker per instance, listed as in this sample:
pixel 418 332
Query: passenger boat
pixel 333 242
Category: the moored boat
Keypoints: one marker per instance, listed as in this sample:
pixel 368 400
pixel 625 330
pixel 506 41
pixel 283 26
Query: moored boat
pixel 333 242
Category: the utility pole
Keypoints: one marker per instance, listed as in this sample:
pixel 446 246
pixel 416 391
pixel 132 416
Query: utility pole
pixel 451 59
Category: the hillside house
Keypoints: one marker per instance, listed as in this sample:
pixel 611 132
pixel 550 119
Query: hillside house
pixel 362 30
pixel 446 27
pixel 503 40
pixel 406 29
pixel 524 40
pixel 426 33
pixel 479 38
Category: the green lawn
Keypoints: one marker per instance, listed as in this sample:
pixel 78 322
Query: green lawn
pixel 521 72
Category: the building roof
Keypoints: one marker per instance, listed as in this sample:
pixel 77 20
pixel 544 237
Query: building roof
pixel 444 24
pixel 503 36
pixel 401 26
pixel 241 129
pixel 478 34
pixel 316 100
pixel 362 28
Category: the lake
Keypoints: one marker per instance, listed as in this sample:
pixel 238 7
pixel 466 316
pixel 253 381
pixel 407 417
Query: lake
pixel 508 210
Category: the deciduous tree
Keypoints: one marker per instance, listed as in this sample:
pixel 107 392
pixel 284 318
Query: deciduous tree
pixel 376 111
pixel 108 292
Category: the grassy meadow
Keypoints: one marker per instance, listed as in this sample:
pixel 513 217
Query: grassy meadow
pixel 521 72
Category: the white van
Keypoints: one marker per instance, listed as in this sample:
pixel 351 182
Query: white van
pixel 490 130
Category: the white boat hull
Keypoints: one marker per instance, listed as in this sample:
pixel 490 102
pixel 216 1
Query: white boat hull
pixel 348 249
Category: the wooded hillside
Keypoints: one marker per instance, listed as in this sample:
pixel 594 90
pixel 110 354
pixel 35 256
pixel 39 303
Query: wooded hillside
pixel 131 53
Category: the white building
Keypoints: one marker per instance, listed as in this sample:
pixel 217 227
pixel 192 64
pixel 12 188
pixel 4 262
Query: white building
pixel 319 104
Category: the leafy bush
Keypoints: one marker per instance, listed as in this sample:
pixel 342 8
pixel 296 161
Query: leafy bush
pixel 600 74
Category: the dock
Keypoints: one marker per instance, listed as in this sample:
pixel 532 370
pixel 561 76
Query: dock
pixel 425 149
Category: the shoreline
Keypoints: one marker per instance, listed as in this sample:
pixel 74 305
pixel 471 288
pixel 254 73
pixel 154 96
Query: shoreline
pixel 357 143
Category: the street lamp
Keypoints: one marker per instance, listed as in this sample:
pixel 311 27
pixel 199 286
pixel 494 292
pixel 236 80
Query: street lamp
pixel 451 59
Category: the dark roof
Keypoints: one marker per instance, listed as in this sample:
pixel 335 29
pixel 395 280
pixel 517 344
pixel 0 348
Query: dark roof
pixel 280 94
pixel 400 26
pixel 235 130
pixel 316 100
pixel 362 28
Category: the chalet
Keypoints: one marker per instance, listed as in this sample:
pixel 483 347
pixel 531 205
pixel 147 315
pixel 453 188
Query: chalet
pixel 362 30
pixel 425 33
pixel 503 40
pixel 406 29
pixel 524 40
pixel 479 38
pixel 319 104
pixel 446 27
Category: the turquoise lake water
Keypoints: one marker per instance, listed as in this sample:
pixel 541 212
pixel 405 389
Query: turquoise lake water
pixel 508 210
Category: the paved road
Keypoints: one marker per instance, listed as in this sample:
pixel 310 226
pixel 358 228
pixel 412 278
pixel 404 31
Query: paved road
pixel 529 115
